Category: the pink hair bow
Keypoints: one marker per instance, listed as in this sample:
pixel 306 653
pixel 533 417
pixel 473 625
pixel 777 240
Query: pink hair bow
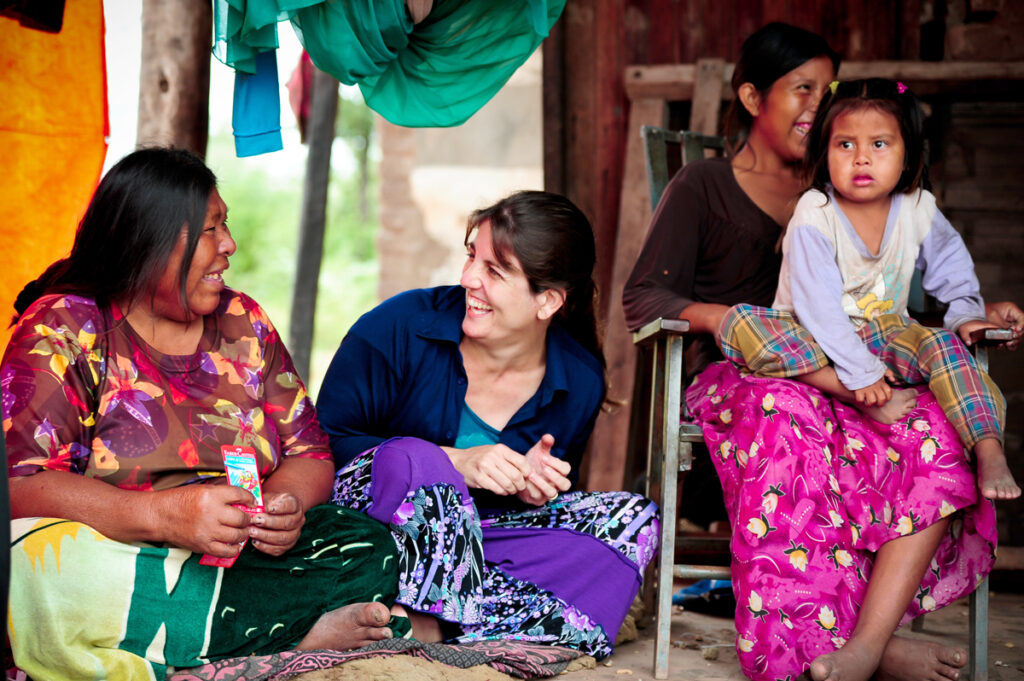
pixel 900 87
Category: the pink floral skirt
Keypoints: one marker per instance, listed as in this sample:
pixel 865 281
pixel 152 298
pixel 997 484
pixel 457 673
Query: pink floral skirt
pixel 813 488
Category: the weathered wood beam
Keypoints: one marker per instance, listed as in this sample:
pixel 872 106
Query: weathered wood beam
pixel 707 96
pixel 675 82
pixel 174 79
pixel 322 115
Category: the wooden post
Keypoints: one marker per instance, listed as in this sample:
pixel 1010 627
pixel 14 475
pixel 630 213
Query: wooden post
pixel 322 116
pixel 707 96
pixel 606 460
pixel 554 109
pixel 174 81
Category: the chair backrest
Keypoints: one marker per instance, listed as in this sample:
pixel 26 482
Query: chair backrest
pixel 667 151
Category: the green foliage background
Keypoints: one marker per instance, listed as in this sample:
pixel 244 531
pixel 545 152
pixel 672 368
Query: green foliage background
pixel 264 210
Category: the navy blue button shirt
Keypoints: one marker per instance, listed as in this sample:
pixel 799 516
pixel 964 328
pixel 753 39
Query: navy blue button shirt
pixel 398 372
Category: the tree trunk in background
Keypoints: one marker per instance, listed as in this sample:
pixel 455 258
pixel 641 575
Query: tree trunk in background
pixel 174 81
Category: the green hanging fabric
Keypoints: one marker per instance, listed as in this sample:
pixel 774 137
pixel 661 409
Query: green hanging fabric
pixel 436 73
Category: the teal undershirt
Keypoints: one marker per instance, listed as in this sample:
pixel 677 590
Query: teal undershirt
pixel 473 431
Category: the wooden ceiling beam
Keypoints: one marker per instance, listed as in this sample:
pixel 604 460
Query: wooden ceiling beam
pixel 674 82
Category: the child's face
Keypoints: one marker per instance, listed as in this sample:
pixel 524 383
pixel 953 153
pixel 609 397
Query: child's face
pixel 865 155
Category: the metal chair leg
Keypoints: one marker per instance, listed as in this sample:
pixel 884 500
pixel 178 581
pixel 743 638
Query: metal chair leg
pixel 663 480
pixel 978 641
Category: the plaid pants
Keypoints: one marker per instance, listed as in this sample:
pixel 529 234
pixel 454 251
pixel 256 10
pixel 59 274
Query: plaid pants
pixel 771 343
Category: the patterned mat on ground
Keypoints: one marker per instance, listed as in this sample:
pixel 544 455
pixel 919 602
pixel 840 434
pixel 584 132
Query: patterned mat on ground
pixel 522 660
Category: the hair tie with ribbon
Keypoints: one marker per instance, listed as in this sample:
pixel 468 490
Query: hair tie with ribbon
pixel 900 87
pixel 833 85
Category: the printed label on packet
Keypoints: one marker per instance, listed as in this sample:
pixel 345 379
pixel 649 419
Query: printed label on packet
pixel 242 471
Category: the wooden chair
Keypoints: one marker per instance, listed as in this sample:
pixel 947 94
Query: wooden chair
pixel 670 439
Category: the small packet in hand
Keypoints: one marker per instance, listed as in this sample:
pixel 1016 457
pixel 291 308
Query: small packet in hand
pixel 242 471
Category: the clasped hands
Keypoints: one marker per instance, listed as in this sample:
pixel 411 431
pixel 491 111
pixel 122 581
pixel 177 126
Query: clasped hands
pixel 535 477
pixel 205 519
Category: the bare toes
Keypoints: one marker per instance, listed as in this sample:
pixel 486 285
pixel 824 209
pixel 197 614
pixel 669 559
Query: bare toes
pixel 373 614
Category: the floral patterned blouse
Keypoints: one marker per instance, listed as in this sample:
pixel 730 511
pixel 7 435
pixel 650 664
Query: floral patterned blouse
pixel 82 392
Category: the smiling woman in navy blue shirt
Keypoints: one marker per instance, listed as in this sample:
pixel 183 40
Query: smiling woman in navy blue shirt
pixel 459 416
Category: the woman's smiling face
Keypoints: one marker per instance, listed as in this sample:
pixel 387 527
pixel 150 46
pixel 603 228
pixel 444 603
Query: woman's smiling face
pixel 205 280
pixel 785 112
pixel 499 301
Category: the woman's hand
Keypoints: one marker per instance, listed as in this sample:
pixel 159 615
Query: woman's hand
pixel 967 328
pixel 548 474
pixel 1007 315
pixel 277 528
pixel 495 468
pixel 201 518
pixel 705 318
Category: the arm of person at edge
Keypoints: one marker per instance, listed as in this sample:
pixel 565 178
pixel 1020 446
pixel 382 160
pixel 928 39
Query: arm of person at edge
pixel 948 274
pixel 661 283
pixel 817 287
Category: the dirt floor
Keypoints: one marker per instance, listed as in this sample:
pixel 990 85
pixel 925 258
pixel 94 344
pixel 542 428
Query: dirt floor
pixel 695 637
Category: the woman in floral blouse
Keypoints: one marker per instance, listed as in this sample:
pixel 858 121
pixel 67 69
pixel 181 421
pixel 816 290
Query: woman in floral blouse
pixel 130 370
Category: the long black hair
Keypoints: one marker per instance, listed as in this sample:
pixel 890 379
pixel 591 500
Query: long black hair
pixel 769 53
pixel 130 228
pixel 554 243
pixel 880 94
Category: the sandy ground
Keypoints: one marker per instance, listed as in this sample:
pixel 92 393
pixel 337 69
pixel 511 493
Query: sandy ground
pixel 694 636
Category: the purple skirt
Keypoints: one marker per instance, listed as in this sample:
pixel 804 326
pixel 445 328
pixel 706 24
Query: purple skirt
pixel 564 573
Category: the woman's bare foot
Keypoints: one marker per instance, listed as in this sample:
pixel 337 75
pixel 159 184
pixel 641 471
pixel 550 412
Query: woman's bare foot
pixel 425 627
pixel 994 477
pixel 905 659
pixel 352 626
pixel 852 662
pixel 898 406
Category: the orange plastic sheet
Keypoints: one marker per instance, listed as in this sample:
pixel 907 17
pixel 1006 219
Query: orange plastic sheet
pixel 53 128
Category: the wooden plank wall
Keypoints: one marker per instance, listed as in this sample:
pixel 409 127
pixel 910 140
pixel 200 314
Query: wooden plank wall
pixel 586 126
pixel 586 110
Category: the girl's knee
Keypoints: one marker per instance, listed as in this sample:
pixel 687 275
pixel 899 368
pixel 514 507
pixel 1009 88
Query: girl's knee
pixel 934 347
pixel 739 313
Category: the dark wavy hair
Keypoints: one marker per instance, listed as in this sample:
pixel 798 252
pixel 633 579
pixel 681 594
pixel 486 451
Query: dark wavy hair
pixel 554 243
pixel 130 228
pixel 769 53
pixel 871 93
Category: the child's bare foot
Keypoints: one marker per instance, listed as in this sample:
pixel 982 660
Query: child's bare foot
pixel 898 406
pixel 852 662
pixel 352 626
pixel 905 659
pixel 994 477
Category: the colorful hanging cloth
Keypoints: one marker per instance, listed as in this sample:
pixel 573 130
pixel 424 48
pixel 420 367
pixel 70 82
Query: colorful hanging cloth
pixel 53 128
pixel 436 73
